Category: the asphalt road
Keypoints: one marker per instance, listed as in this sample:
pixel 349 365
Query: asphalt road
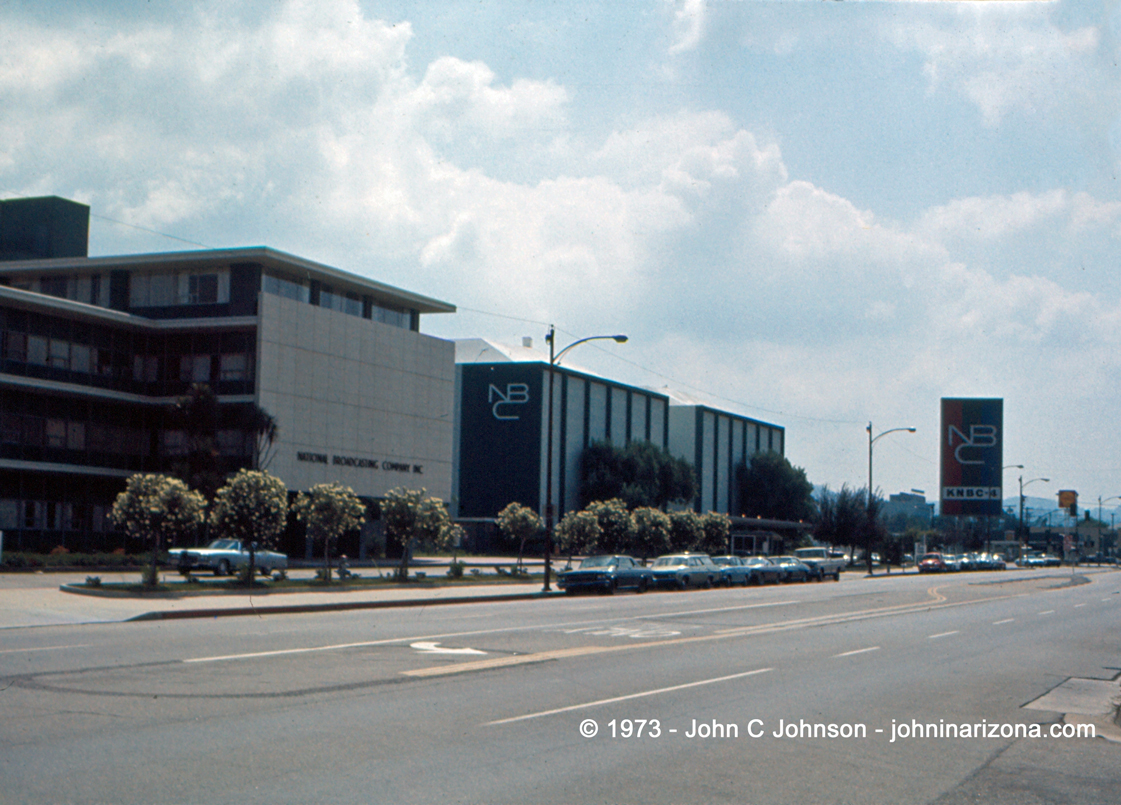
pixel 486 703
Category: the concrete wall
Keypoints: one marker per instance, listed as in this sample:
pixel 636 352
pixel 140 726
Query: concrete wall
pixel 362 403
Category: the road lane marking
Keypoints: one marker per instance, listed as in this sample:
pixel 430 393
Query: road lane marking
pixel 1006 620
pixel 1047 612
pixel 1076 606
pixel 41 648
pixel 436 648
pixel 627 697
pixel 857 651
pixel 942 634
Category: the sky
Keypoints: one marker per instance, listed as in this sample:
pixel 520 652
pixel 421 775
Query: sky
pixel 818 214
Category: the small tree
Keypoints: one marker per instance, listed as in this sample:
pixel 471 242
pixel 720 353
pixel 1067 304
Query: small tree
pixel 578 532
pixel 329 510
pixel 616 524
pixel 252 507
pixel 157 508
pixel 411 515
pixel 685 530
pixel 714 527
pixel 519 523
pixel 651 532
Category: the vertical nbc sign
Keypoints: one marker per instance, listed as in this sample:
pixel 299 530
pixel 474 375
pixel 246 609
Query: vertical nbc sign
pixel 972 439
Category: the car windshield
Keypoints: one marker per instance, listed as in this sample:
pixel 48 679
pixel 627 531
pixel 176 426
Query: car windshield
pixel 597 561
pixel 666 561
pixel 223 544
pixel 726 560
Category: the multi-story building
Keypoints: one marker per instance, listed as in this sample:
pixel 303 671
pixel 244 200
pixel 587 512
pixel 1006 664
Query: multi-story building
pixel 95 352
pixel 502 426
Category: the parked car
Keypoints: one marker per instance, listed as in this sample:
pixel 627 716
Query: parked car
pixel 932 563
pixel 762 570
pixel 681 570
pixel 1030 560
pixel 732 570
pixel 953 561
pixel 223 556
pixel 794 570
pixel 605 574
pixel 823 561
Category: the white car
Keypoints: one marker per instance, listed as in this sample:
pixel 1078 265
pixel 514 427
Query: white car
pixel 223 556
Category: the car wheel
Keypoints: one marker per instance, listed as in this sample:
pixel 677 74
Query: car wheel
pixel 642 584
pixel 837 576
pixel 708 583
pixel 264 571
pixel 683 582
pixel 223 568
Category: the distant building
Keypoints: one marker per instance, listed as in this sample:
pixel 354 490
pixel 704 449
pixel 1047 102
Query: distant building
pixel 95 350
pixel 905 509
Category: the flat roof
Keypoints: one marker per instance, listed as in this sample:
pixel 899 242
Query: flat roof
pixel 210 258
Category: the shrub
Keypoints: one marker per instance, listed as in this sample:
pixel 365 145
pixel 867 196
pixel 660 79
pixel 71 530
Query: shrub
pixel 93 581
pixel 455 569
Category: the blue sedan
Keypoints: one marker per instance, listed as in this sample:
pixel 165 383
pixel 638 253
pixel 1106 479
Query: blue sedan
pixel 605 574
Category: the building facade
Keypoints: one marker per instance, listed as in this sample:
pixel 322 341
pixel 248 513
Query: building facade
pixel 716 442
pixel 95 352
pixel 502 428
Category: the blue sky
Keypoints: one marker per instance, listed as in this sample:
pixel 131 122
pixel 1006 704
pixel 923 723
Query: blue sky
pixel 820 214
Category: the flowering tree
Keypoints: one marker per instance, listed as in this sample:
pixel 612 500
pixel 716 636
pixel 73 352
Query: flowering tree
pixel 410 514
pixel 685 530
pixel 329 510
pixel 616 524
pixel 578 532
pixel 651 531
pixel 519 523
pixel 715 527
pixel 157 508
pixel 251 507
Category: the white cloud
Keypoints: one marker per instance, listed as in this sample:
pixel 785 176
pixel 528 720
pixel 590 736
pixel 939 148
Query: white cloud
pixel 688 25
pixel 1002 57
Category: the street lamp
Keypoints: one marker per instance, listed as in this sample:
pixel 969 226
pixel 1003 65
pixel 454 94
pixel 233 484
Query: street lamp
pixel 872 441
pixel 1024 483
pixel 554 359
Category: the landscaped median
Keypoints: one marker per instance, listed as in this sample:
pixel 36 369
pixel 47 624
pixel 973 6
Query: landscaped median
pixel 229 598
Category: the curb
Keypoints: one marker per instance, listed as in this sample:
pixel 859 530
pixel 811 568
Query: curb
pixel 352 605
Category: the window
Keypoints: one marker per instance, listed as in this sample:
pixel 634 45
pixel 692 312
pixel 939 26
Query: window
pixel 289 289
pixel 202 289
pixel 194 368
pixel 329 299
pixel 75 436
pixel 37 349
pixel 15 346
pixel 79 358
pixel 231 442
pixel 145 368
pixel 174 443
pixel 234 367
pixel 9 513
pixel 59 353
pixel 352 305
pixel 56 433
pixel 53 286
pixel 11 428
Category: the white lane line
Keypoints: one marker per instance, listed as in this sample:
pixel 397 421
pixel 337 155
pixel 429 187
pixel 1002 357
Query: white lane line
pixel 1076 606
pixel 942 634
pixel 1006 620
pixel 629 696
pixel 42 648
pixel 1047 612
pixel 858 651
